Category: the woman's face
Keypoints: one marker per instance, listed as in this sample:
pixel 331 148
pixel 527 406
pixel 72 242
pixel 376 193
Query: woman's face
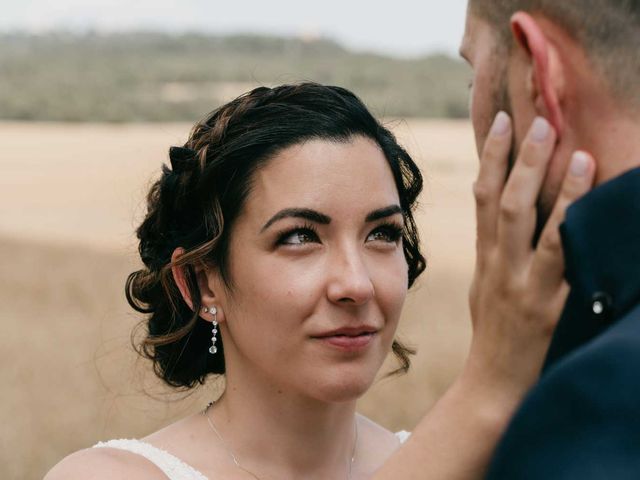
pixel 318 271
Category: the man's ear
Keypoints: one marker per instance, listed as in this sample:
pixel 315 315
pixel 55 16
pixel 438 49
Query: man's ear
pixel 546 82
pixel 180 273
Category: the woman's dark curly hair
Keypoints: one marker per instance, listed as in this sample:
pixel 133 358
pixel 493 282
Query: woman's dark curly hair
pixel 195 203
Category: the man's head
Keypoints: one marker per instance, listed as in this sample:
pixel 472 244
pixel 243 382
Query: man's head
pixel 574 62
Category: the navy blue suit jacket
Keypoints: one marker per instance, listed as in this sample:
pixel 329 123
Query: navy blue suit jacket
pixel 582 420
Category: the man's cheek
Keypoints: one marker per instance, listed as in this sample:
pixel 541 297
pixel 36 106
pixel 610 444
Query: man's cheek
pixel 481 120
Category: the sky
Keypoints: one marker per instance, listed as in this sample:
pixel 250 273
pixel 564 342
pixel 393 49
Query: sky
pixel 400 27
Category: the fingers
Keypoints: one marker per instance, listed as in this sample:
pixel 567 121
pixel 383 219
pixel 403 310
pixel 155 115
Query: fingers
pixel 517 218
pixel 491 177
pixel 548 261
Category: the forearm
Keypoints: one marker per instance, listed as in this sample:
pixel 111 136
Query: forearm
pixel 456 438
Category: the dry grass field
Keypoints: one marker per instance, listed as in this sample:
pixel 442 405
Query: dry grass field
pixel 70 196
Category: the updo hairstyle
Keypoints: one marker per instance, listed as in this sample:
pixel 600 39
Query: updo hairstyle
pixel 195 203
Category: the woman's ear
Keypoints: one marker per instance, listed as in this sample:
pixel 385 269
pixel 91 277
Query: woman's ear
pixel 546 79
pixel 207 296
pixel 180 277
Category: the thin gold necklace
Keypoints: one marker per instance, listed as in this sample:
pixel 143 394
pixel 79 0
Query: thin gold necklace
pixel 237 463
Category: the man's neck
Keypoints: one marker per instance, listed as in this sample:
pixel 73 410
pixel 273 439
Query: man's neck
pixel 614 141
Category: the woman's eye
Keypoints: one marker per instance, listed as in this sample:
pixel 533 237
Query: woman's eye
pixel 298 237
pixel 387 233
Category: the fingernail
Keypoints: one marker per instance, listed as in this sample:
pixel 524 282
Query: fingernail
pixel 540 129
pixel 500 124
pixel 579 164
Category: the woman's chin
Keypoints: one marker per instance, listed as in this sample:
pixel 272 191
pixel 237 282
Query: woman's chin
pixel 344 388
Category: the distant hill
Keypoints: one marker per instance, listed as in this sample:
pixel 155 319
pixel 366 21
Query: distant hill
pixel 161 77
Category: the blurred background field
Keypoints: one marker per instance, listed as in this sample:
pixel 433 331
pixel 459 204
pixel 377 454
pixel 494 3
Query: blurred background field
pixel 141 76
pixel 87 124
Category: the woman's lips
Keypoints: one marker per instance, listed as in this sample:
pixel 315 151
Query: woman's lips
pixel 349 343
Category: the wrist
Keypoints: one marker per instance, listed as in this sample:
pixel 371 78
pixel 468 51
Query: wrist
pixel 492 401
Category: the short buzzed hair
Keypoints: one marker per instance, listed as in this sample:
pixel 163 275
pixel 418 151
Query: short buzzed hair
pixel 609 31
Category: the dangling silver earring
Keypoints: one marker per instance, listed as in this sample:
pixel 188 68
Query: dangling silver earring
pixel 214 331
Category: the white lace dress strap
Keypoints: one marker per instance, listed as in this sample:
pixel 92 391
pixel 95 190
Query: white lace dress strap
pixel 403 435
pixel 172 467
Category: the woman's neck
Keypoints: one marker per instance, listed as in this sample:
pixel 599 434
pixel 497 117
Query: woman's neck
pixel 274 433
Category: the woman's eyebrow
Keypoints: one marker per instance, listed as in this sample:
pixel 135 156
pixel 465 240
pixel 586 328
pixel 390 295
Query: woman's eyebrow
pixel 383 213
pixel 317 217
pixel 305 213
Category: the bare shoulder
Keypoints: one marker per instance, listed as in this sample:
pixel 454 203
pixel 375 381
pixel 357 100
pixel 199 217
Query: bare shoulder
pixel 103 464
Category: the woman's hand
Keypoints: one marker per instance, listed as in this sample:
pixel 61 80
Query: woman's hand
pixel 517 296
pixel 518 289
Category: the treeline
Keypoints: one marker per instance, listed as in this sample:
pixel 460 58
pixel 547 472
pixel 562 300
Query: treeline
pixel 162 77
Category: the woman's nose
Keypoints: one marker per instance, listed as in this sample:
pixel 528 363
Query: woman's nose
pixel 349 280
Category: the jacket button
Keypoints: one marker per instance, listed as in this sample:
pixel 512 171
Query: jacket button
pixel 601 304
